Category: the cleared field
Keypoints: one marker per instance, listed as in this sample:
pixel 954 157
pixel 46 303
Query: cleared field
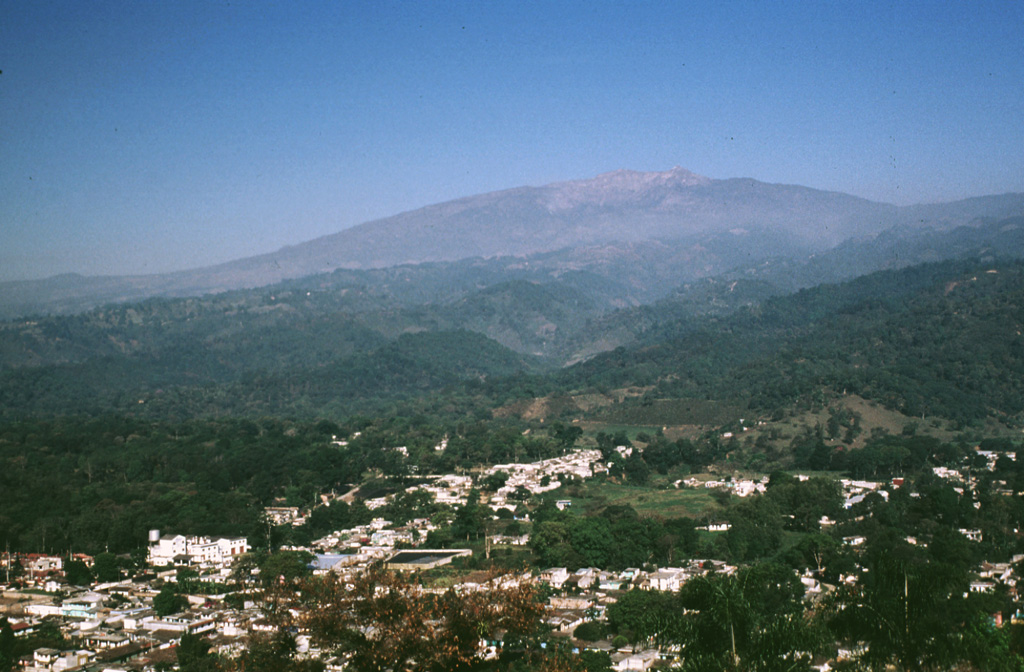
pixel 668 503
pixel 670 412
pixel 630 430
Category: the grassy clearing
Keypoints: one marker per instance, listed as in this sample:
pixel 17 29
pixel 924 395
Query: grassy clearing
pixel 873 418
pixel 667 503
pixel 671 413
pixel 609 428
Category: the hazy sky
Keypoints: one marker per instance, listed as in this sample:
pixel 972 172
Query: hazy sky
pixel 140 137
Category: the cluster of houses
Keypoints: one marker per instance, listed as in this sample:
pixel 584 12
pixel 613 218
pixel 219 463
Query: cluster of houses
pixel 449 489
pixel 743 487
pixel 533 477
pixel 115 626
pixel 543 476
pixel 356 548
pixel 38 570
pixel 665 579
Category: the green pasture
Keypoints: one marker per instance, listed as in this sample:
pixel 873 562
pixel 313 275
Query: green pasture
pixel 667 503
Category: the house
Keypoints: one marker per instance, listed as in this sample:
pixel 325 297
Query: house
pixel 644 660
pixel 83 606
pixel 182 623
pixel 565 620
pixel 668 579
pixel 422 559
pixel 857 499
pixel 42 610
pixel 169 549
pixel 506 540
pixel 745 488
pixel 37 564
pixel 219 551
pixel 983 587
pixel 1001 571
pixel 555 577
pixel 281 515
pixel 950 474
pixel 610 581
pixel 811 585
pixel 973 535
pixel 105 640
pixel 325 562
pixel 24 629
pixel 52 659
pixel 579 602
pixel 586 577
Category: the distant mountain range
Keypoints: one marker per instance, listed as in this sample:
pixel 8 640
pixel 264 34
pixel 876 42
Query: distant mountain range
pixel 629 280
pixel 692 225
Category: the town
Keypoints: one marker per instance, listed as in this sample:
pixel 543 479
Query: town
pixel 143 612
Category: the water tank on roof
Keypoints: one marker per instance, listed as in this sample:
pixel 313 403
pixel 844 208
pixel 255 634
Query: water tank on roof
pixel 154 536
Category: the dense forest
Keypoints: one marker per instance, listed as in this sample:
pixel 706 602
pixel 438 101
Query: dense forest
pixel 938 339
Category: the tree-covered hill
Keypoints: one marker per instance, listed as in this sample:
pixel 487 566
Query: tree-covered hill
pixel 318 318
pixel 189 381
pixel 938 339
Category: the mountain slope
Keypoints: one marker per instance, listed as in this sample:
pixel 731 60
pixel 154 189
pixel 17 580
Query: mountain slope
pixel 542 305
pixel 621 208
pixel 941 339
pixel 938 339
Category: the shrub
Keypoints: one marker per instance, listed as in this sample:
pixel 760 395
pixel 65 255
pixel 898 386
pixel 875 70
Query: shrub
pixel 591 631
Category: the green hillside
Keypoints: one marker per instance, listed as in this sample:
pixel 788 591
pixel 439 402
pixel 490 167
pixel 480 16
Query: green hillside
pixel 938 339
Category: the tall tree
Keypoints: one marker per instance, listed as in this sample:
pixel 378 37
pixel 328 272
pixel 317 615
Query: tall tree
pixel 469 518
pixel 7 645
pixel 168 601
pixel 907 608
pixel 751 620
pixel 106 567
pixel 77 573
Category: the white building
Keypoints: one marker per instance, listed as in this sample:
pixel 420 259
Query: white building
pixel 668 579
pixel 175 549
pixel 57 661
pixel 555 577
pixel 183 623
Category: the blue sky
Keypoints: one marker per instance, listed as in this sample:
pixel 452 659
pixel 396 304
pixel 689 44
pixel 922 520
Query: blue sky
pixel 142 137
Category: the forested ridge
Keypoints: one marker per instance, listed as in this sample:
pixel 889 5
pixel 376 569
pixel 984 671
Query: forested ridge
pixel 937 339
